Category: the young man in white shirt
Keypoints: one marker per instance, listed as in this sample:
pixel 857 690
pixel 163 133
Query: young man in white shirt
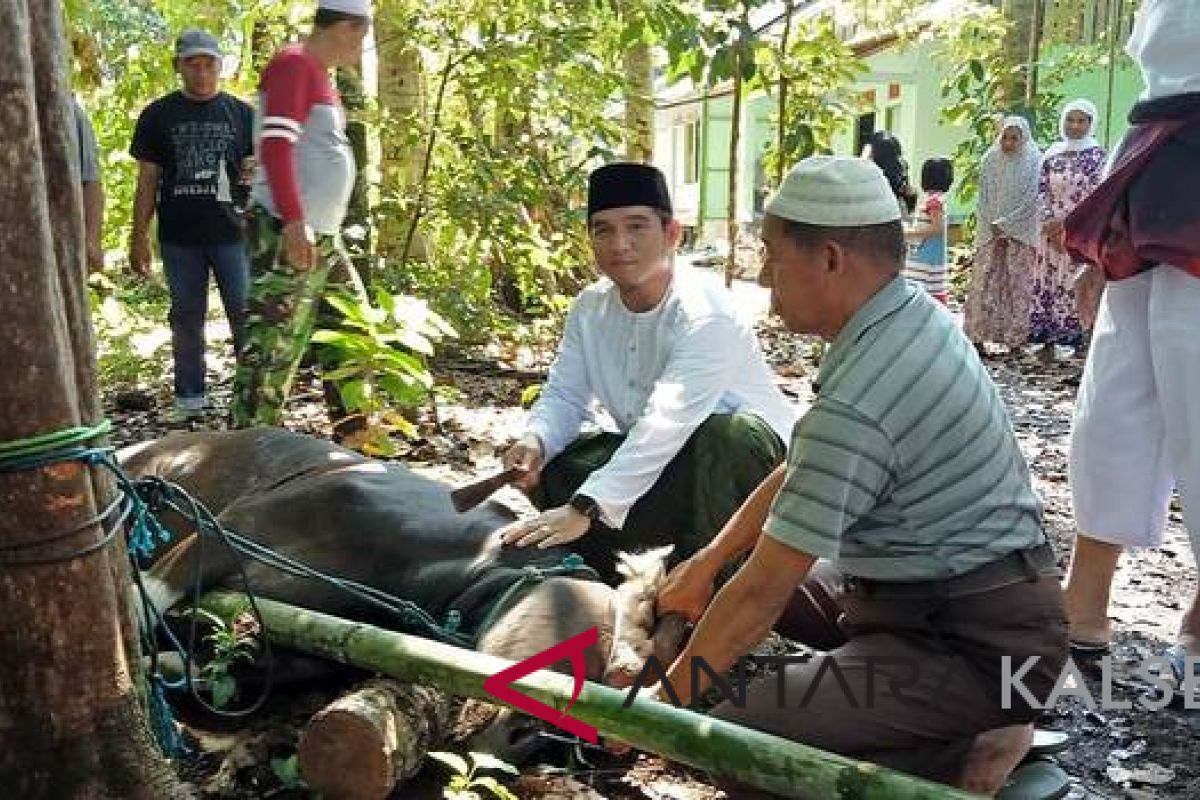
pixel 699 420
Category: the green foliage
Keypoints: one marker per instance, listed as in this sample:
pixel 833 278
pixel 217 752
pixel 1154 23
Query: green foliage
pixel 970 48
pixel 287 771
pixel 380 350
pixel 132 343
pixel 230 643
pixel 465 783
pixel 820 70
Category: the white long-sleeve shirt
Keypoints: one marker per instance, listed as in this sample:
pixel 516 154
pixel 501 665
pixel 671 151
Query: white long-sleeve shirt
pixel 659 374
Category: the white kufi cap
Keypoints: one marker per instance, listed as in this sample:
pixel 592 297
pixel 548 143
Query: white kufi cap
pixel 835 192
pixel 359 8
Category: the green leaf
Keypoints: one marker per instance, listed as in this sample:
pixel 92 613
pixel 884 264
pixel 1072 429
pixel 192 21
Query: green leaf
pixel 487 761
pixel 354 395
pixel 223 690
pixel 457 764
pixel 287 770
pixel 530 395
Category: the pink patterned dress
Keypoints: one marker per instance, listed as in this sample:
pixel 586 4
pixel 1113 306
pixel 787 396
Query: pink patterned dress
pixel 1067 178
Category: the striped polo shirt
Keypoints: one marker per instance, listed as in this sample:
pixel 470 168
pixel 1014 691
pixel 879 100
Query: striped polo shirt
pixel 906 467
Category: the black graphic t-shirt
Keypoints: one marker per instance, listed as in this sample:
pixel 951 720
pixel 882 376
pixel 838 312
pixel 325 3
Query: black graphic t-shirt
pixel 199 144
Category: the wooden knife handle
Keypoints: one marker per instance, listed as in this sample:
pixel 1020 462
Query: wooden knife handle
pixel 466 497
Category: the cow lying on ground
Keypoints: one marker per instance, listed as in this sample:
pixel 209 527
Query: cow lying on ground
pixel 381 525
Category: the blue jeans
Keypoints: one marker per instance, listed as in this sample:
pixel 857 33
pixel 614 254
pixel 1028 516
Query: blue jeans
pixel 186 267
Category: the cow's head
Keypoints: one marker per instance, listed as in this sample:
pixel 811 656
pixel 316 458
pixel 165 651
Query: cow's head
pixel 561 608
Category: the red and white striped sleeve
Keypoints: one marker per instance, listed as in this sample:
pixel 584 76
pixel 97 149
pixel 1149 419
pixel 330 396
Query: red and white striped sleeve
pixel 288 96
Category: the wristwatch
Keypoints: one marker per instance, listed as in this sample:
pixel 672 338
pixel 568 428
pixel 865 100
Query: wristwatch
pixel 585 505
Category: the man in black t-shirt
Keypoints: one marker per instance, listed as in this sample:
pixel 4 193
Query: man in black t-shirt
pixel 194 147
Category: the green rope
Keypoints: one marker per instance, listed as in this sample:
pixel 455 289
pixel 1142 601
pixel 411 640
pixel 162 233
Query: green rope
pixel 22 449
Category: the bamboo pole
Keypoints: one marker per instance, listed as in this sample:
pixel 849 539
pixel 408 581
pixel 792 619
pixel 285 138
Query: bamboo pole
pixel 751 757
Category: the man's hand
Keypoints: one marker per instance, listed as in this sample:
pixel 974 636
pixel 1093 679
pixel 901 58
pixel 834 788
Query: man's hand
pixel 298 245
pixel 526 455
pixel 689 587
pixel 556 526
pixel 139 255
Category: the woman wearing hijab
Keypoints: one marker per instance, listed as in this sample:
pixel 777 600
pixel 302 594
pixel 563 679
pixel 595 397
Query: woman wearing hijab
pixel 884 149
pixel 1071 169
pixel 1007 231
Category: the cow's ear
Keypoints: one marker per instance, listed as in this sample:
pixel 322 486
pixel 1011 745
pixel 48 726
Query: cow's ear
pixel 648 567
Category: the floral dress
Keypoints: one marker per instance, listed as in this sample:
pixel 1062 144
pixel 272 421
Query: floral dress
pixel 1067 178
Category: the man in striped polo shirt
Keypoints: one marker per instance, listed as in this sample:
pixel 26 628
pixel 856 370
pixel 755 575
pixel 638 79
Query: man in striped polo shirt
pixel 905 489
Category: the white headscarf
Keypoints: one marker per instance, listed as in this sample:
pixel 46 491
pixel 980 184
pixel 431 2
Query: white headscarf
pixel 1163 43
pixel 1008 188
pixel 1085 142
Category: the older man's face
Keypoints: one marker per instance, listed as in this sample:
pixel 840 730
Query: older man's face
pixel 799 282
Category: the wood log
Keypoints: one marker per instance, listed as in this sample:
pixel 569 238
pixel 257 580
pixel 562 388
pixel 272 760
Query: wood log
pixel 364 743
pixel 750 757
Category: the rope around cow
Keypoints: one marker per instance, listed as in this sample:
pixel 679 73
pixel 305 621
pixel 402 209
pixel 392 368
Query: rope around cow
pixel 139 503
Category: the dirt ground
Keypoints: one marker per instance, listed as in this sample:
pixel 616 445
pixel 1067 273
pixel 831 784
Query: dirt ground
pixel 1136 753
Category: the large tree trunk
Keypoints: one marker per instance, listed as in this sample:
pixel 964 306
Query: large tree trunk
pixel 71 725
pixel 639 103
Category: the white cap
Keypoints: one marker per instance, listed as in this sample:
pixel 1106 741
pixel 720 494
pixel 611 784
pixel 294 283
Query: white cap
pixel 835 192
pixel 359 8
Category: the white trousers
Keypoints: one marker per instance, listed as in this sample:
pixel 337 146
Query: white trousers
pixel 1136 432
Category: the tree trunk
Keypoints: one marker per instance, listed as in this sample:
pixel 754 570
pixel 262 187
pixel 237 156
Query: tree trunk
pixel 402 98
pixel 781 112
pixel 356 228
pixel 71 725
pixel 362 745
pixel 639 103
pixel 1020 46
pixel 735 147
pixel 787 768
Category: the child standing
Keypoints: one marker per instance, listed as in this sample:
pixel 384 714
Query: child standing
pixel 926 263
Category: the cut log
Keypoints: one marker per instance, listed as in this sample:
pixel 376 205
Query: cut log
pixel 363 744
pixel 751 757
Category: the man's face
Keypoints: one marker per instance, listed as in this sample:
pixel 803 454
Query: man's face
pixel 801 286
pixel 1078 125
pixel 348 36
pixel 201 75
pixel 632 244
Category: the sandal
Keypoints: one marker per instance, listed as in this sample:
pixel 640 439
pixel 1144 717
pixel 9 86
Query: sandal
pixel 1036 779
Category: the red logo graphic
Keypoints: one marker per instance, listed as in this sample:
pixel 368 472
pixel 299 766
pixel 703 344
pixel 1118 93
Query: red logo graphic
pixel 499 685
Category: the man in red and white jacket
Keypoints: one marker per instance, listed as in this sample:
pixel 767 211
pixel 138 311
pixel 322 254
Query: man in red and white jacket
pixel 301 191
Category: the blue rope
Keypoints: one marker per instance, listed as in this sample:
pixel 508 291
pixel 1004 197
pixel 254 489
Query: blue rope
pixel 71 446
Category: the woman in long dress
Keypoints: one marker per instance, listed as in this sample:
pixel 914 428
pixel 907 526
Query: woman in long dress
pixel 1007 230
pixel 1071 169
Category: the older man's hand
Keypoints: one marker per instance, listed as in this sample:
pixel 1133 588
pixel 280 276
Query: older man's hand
pixel 556 526
pixel 689 587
